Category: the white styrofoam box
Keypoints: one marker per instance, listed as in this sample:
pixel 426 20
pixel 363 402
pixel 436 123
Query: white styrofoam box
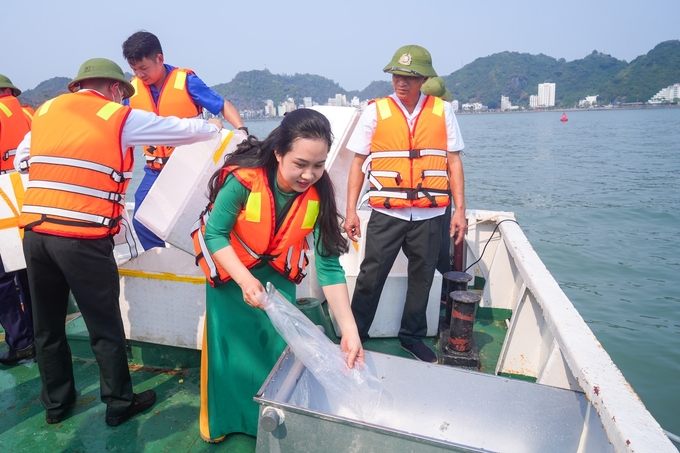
pixel 12 186
pixel 343 121
pixel 179 195
pixel 162 298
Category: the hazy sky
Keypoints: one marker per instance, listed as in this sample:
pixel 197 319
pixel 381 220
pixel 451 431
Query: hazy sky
pixel 348 41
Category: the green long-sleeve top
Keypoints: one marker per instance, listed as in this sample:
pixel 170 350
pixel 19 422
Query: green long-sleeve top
pixel 231 200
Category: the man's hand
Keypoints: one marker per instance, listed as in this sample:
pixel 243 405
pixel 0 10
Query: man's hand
pixel 353 226
pixel 217 123
pixel 458 225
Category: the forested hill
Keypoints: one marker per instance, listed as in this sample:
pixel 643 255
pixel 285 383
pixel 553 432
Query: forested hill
pixel 511 74
pixel 249 89
pixel 47 90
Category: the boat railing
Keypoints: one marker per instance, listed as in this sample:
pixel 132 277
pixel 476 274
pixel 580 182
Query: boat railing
pixel 547 339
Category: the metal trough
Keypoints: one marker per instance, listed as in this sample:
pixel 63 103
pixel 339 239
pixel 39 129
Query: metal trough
pixel 429 408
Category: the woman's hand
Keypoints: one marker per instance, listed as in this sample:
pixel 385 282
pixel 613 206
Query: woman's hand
pixel 251 288
pixel 351 345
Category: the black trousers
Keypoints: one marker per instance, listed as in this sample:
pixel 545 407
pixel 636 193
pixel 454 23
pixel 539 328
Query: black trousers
pixel 385 236
pixel 15 317
pixel 87 268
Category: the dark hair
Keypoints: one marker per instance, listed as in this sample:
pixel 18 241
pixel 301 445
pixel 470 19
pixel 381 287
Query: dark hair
pixel 141 45
pixel 252 153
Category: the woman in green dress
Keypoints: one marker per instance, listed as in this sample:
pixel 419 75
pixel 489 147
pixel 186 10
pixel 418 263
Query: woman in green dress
pixel 284 173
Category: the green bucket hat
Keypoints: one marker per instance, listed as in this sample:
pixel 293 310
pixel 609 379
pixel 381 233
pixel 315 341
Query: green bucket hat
pixel 6 83
pixel 412 61
pixel 101 68
pixel 435 87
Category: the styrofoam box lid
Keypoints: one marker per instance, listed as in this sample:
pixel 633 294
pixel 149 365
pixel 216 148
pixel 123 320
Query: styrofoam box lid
pixel 169 260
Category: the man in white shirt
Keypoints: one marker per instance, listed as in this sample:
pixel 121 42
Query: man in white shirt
pixel 80 156
pixel 408 145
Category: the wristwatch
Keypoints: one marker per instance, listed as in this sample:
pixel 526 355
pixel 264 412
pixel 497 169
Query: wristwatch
pixel 243 128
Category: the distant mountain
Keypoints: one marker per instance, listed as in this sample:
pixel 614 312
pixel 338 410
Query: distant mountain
pixel 44 91
pixel 249 89
pixel 645 75
pixel 517 76
pixel 511 74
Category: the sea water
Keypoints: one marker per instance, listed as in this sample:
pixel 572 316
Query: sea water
pixel 599 199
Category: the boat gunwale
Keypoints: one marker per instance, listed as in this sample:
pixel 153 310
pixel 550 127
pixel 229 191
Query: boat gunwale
pixel 627 422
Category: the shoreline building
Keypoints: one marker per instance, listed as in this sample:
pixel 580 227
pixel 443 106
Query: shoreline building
pixel 588 101
pixel 506 104
pixel 667 94
pixel 454 104
pixel 546 95
pixel 533 101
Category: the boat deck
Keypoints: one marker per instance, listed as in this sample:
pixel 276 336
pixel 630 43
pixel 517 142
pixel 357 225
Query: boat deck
pixel 174 373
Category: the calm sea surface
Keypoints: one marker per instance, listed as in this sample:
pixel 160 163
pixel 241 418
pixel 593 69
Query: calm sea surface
pixel 599 199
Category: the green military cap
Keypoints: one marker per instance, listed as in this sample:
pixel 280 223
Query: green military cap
pixel 101 68
pixel 435 87
pixel 412 61
pixel 6 83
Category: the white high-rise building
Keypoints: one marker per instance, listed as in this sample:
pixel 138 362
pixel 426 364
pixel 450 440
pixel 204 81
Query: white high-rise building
pixel 269 109
pixel 308 102
pixel 454 104
pixel 546 95
pixel 505 103
pixel 282 109
pixel 533 101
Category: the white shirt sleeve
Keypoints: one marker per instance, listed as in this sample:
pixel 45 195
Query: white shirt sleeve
pixel 146 128
pixel 455 139
pixel 360 140
pixel 23 152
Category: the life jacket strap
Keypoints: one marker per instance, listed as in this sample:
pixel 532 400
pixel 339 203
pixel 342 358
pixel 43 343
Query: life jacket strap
pixel 113 197
pixel 115 175
pixel 67 213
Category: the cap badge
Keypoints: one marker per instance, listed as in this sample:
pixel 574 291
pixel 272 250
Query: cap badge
pixel 405 60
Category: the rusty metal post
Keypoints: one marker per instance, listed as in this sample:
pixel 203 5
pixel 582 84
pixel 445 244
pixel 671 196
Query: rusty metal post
pixel 461 350
pixel 455 281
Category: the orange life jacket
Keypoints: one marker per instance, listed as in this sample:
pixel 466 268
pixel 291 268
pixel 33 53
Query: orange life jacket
pixel 77 174
pixel 408 169
pixel 13 127
pixel 254 236
pixel 28 111
pixel 173 100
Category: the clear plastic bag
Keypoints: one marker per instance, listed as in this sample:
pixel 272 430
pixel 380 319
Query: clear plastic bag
pixel 352 392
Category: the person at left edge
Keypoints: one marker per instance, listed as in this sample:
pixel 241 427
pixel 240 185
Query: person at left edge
pixel 15 302
pixel 166 91
pixel 79 159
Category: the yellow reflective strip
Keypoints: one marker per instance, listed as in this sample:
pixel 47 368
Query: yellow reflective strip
pixel 438 107
pixel 27 113
pixel 180 80
pixel 384 108
pixel 5 109
pixel 45 107
pixel 311 214
pixel 18 187
pixel 11 222
pixel 222 147
pixel 253 207
pixel 4 196
pixel 161 276
pixel 135 85
pixel 108 110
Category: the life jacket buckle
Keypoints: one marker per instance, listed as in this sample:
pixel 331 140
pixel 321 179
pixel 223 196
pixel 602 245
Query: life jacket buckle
pixel 414 153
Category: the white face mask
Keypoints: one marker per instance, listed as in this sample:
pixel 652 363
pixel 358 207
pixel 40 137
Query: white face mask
pixel 120 92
